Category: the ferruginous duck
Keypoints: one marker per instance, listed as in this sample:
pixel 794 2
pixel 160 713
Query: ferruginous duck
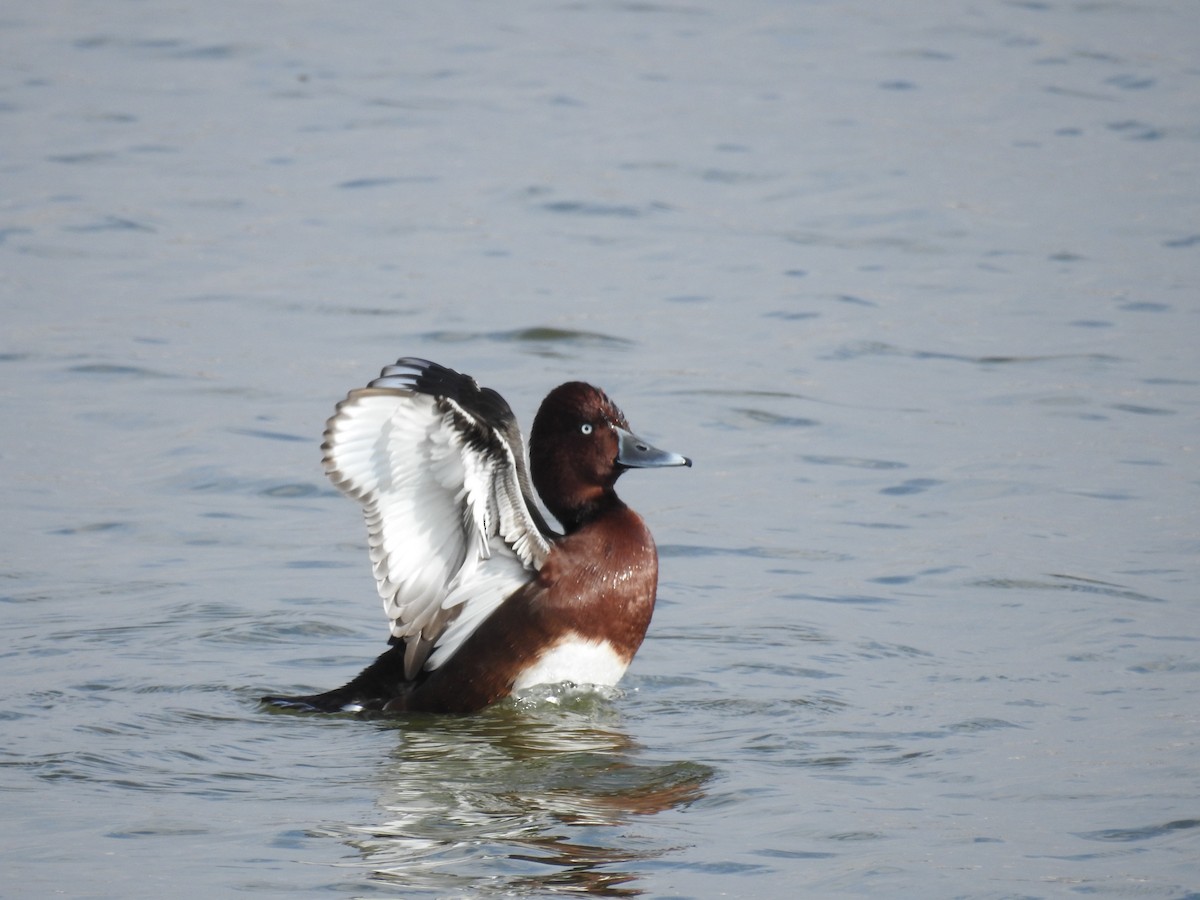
pixel 483 597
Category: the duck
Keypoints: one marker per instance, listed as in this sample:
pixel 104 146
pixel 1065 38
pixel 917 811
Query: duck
pixel 483 598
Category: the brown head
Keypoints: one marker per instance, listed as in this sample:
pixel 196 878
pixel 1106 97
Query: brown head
pixel 579 446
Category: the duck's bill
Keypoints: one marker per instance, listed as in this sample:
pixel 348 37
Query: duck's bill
pixel 634 453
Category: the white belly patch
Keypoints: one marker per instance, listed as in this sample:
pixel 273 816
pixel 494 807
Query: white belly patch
pixel 576 660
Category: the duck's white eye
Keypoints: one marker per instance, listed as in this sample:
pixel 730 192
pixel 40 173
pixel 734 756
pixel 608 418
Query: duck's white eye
pixel 586 427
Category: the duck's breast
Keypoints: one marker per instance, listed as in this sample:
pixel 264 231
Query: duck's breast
pixel 597 597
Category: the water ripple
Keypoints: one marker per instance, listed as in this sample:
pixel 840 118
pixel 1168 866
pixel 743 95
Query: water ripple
pixel 1073 583
pixel 860 349
pixel 1143 833
pixel 541 339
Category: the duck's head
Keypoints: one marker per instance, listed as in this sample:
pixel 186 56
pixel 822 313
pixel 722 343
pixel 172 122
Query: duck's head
pixel 579 446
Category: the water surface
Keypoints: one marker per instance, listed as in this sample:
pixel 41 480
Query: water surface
pixel 916 287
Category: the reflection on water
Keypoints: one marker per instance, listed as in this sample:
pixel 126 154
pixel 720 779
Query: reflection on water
pixel 528 795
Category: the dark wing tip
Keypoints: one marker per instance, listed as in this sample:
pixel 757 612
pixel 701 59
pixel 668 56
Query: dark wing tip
pixel 427 377
pixel 408 373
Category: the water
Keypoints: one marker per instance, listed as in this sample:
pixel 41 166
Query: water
pixel 914 285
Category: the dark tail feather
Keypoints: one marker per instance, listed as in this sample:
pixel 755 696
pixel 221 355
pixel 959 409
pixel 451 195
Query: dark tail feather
pixel 378 683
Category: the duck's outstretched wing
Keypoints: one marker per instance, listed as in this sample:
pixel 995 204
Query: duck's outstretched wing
pixel 439 467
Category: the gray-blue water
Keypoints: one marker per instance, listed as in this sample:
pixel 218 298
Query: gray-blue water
pixel 916 285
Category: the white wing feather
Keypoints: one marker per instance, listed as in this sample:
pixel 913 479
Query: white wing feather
pixel 449 532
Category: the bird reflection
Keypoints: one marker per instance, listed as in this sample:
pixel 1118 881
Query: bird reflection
pixel 523 798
